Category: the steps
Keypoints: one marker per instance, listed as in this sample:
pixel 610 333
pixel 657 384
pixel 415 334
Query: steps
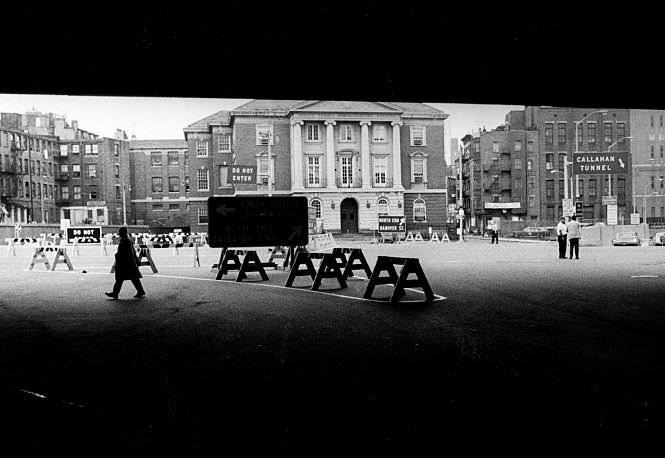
pixel 354 237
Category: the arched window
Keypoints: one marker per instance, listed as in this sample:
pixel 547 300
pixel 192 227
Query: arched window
pixel 419 210
pixel 383 206
pixel 316 205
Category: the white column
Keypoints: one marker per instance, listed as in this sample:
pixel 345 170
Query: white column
pixel 330 155
pixel 397 156
pixel 364 154
pixel 297 155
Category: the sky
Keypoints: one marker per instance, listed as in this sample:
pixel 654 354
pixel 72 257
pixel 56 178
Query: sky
pixel 164 118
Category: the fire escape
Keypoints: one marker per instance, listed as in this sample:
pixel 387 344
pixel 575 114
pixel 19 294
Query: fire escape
pixel 12 190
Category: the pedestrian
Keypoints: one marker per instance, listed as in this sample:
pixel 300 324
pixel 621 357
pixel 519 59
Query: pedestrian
pixel 562 236
pixel 494 232
pixel 574 234
pixel 126 266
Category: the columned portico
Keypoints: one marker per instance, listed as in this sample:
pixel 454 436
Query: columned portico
pixel 330 155
pixel 364 154
pixel 397 161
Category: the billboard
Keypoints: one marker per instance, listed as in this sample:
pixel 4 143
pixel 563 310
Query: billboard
pixel 594 163
pixel 84 234
pixel 250 221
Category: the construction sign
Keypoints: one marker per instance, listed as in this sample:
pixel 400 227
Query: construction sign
pixel 257 221
pixel 84 234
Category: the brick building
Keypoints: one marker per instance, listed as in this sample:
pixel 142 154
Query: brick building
pixel 648 150
pixel 352 160
pixel 160 183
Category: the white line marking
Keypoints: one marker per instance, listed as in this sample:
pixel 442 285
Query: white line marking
pixel 644 276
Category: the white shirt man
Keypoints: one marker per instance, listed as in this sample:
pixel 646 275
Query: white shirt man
pixel 562 236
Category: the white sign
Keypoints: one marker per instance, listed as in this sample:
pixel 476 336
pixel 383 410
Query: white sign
pixel 64 224
pixel 634 218
pixel 612 215
pixel 609 200
pixel 568 207
pixel 502 205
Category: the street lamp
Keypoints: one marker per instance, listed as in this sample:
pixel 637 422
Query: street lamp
pixel 609 175
pixel 577 150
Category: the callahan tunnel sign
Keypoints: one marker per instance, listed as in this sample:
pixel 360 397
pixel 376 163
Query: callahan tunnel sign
pixel 594 163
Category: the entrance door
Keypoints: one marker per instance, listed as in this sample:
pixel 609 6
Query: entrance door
pixel 349 214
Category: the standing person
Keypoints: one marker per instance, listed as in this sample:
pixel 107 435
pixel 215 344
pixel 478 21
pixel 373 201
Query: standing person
pixel 562 236
pixel 495 233
pixel 126 266
pixel 574 234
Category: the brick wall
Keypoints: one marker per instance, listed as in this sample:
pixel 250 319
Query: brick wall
pixel 436 210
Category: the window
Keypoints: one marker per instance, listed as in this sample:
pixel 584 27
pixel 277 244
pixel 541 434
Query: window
pixel 64 192
pixel 202 180
pixel 263 169
pixel 607 132
pixel 532 201
pixel 156 184
pixel 63 150
pixel 202 215
pixel 116 170
pixel 88 150
pixel 621 129
pixel 39 168
pixel 530 146
pixel 157 207
pixel 549 189
pixel 64 169
pixel 92 171
pixel 76 170
pixel 174 184
pixel 562 161
pixel 316 205
pixel 312 132
pixel 651 152
pixel 561 189
pixel 77 192
pixel 313 170
pixel 185 158
pixel 580 188
pixel 118 192
pixel 418 169
pixel 653 182
pixel 93 195
pixel 517 164
pixel 517 146
pixel 346 133
pixel 201 148
pixel 549 158
pixel 529 164
pixel 378 133
pixel 156 159
pixel 495 147
pixel 172 157
pixel 383 206
pixel 550 213
pixel 591 132
pixel 660 178
pixel 419 210
pixel 223 176
pixel 561 132
pixel 661 151
pixel 380 168
pixel 347 170
pixel 75 149
pixel 418 137
pixel 264 134
pixel 593 191
pixel 549 133
pixel 116 149
pixel 651 121
pixel 224 143
pixel 186 184
pixel 95 150
pixel 27 190
pixel 517 186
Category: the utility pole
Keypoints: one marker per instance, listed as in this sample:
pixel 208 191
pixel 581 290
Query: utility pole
pixel 124 205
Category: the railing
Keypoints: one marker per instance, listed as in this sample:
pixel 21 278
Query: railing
pixel 354 184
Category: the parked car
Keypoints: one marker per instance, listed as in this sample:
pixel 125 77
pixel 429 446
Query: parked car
pixel 659 238
pixel 626 239
pixel 531 232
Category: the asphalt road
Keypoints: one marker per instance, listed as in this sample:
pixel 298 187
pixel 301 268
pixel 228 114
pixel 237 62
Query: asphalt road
pixel 527 355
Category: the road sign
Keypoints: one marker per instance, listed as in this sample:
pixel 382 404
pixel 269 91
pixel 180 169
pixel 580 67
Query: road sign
pixel 84 234
pixel 609 200
pixel 612 215
pixel 578 208
pixel 567 207
pixel 599 163
pixel 257 221
pixel 392 223
pixel 243 174
pixel 634 218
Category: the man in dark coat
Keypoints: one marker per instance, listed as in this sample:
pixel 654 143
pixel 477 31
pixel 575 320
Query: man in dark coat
pixel 126 266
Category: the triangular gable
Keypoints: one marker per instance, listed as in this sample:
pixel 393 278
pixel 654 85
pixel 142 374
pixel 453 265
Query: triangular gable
pixel 346 107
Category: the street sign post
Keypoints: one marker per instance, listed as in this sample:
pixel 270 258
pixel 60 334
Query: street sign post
pixel 612 215
pixel 257 221
pixel 595 163
pixel 568 207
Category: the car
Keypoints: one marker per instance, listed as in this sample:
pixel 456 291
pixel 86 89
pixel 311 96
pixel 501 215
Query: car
pixel 626 239
pixel 659 238
pixel 532 232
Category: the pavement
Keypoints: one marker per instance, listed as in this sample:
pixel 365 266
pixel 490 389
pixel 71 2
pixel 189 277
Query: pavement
pixel 521 353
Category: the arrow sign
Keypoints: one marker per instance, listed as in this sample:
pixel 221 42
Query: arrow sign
pixel 223 210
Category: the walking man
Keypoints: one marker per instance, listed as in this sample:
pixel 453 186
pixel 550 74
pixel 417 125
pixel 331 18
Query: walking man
pixel 126 266
pixel 574 235
pixel 495 233
pixel 562 236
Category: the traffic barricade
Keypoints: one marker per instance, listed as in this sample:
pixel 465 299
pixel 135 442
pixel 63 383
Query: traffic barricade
pixel 401 281
pixel 356 261
pixel 329 268
pixel 39 257
pixel 61 257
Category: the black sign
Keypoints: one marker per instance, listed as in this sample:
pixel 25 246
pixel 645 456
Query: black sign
pixel 599 163
pixel 578 208
pixel 257 221
pixel 84 234
pixel 391 224
pixel 243 174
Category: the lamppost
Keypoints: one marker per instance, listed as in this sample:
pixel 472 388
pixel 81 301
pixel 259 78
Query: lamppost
pixel 577 150
pixel 609 175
